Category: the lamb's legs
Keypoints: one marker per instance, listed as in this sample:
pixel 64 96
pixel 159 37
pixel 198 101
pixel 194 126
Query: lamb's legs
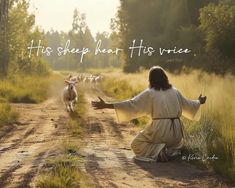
pixel 67 106
pixel 71 106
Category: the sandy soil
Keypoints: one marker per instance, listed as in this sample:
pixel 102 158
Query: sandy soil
pixel 24 147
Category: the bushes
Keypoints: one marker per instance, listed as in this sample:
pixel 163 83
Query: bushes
pixel 25 89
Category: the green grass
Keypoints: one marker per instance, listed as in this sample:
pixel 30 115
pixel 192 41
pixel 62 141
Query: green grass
pixel 214 133
pixel 63 171
pixel 7 115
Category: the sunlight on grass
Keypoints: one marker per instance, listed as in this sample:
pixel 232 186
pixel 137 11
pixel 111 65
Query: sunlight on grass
pixel 22 89
pixel 25 89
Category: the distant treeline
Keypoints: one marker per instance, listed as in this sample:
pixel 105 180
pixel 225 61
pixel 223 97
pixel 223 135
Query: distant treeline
pixel 207 27
pixel 80 37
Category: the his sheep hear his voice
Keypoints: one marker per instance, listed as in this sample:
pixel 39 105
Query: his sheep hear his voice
pixel 135 49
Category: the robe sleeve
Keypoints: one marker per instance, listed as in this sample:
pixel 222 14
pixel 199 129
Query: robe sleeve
pixel 136 107
pixel 190 108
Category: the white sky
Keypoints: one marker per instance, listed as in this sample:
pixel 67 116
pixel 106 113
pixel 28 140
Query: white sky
pixel 58 14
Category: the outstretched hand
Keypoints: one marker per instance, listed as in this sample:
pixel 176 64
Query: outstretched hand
pixel 97 105
pixel 202 99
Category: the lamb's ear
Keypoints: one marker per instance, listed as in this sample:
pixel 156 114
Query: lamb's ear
pixel 66 81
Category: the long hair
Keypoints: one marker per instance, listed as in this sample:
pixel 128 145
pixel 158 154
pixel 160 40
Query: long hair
pixel 158 79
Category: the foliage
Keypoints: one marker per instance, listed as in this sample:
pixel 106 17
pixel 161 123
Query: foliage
pixel 4 52
pixel 21 30
pixel 168 24
pixel 80 37
pixel 218 24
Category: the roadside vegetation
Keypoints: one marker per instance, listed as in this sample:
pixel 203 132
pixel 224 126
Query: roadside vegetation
pixel 25 89
pixel 7 114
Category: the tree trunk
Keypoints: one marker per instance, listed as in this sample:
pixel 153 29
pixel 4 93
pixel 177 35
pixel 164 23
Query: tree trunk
pixel 4 50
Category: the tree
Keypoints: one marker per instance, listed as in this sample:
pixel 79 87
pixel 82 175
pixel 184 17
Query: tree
pixel 4 59
pixel 79 21
pixel 21 31
pixel 161 24
pixel 79 36
pixel 218 24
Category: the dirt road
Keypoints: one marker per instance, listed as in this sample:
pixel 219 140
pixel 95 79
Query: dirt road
pixel 24 147
pixel 108 155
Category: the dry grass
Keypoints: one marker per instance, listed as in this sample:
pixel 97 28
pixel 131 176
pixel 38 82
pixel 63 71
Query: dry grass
pixel 63 171
pixel 21 88
pixel 7 115
pixel 25 89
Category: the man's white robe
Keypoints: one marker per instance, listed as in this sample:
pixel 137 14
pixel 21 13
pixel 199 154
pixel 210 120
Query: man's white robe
pixel 159 134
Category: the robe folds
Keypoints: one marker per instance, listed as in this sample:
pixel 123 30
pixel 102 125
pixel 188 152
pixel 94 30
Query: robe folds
pixel 159 133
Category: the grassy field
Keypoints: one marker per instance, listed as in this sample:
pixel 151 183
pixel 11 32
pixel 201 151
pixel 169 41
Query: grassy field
pixel 22 89
pixel 214 134
pixel 25 89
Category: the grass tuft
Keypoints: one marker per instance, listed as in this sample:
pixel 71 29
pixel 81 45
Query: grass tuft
pixel 7 115
pixel 63 171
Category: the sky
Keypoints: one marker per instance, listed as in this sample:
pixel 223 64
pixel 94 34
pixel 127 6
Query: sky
pixel 58 14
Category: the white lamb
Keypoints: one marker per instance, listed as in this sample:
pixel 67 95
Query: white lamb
pixel 70 95
pixel 98 79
